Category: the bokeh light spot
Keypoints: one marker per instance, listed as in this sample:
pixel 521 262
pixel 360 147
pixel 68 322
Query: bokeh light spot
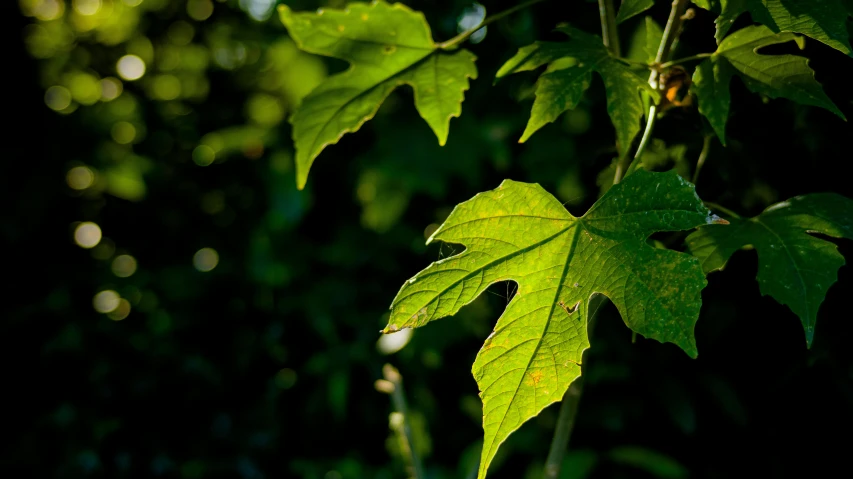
pixel 106 301
pixel 285 378
pixel 203 155
pixel 121 311
pixel 132 3
pixel 44 9
pixel 87 235
pixel 124 265
pixel 265 110
pixel 57 98
pixel 111 88
pixel 205 259
pixel 391 343
pixel 167 87
pixel 80 177
pixel 87 7
pixel 123 132
pixel 200 10
pixel 130 67
pixel 181 33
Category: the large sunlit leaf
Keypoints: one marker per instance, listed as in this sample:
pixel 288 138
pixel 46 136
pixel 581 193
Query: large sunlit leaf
pixel 794 267
pixel 519 232
pixel 386 46
pixel 823 20
pixel 569 74
pixel 777 76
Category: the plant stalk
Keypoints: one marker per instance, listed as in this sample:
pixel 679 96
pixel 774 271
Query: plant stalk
pixel 565 424
pixel 679 61
pixel 398 398
pixel 670 34
pixel 607 14
pixel 706 148
pixel 721 209
pixel 453 42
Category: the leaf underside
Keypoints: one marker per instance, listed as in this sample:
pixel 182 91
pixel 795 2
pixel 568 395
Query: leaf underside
pixel 387 46
pixel 519 232
pixel 569 74
pixel 776 76
pixel 794 267
pixel 822 20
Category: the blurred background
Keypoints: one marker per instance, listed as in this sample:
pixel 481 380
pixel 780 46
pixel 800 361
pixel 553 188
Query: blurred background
pixel 174 307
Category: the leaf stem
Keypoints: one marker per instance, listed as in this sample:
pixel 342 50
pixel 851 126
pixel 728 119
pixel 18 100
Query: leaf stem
pixel 398 398
pixel 565 424
pixel 453 42
pixel 607 14
pixel 721 209
pixel 703 155
pixel 679 61
pixel 670 33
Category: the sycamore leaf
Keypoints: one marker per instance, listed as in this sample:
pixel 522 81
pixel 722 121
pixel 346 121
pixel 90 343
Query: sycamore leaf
pixel 823 20
pixel 519 232
pixel 569 74
pixel 630 8
pixel 386 46
pixel 794 268
pixel 785 76
pixel 711 84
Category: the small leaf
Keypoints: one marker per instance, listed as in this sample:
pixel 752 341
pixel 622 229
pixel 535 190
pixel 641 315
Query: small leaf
pixel 823 20
pixel 786 76
pixel 519 232
pixel 630 8
pixel 644 43
pixel 795 268
pixel 387 46
pixel 569 74
pixel 711 84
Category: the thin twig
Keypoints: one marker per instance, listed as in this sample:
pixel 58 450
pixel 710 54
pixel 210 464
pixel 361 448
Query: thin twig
pixel 703 155
pixel 398 398
pixel 492 18
pixel 721 209
pixel 679 61
pixel 670 33
pixel 607 14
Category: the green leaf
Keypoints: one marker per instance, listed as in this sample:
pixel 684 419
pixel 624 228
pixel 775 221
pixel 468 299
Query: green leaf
pixel 519 232
pixel 795 268
pixel 823 20
pixel 387 46
pixel 569 74
pixel 645 41
pixel 711 84
pixel 630 8
pixel 786 76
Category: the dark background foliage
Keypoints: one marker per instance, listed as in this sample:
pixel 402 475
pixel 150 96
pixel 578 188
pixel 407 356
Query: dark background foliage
pixel 265 365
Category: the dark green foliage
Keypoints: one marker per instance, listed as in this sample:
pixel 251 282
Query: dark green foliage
pixel 225 323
